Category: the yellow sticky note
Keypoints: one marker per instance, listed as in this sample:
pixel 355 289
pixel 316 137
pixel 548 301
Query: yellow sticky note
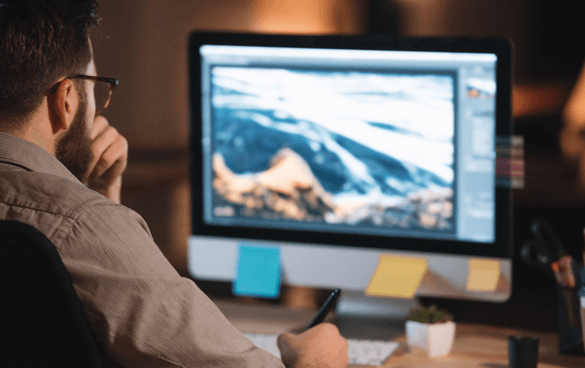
pixel 397 277
pixel 483 275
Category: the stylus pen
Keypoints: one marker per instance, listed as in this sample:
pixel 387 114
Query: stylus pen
pixel 326 308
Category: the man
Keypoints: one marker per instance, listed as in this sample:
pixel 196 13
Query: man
pixel 51 143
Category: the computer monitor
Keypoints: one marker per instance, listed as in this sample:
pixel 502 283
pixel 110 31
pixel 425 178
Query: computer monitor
pixel 340 149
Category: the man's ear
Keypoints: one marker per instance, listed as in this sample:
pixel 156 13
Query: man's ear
pixel 62 106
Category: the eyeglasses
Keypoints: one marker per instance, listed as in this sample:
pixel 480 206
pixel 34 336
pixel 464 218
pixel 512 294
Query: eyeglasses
pixel 101 91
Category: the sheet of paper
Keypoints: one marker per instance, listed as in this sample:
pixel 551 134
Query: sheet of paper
pixel 483 275
pixel 397 277
pixel 258 272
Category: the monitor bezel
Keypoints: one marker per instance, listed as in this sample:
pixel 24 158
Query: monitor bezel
pixel 501 47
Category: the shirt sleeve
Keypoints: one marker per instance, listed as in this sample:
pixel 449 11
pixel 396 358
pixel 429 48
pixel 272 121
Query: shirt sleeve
pixel 144 312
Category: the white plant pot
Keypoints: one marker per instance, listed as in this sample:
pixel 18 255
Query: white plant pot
pixel 436 338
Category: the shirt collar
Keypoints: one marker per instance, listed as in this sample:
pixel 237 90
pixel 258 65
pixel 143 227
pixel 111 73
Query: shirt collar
pixel 17 151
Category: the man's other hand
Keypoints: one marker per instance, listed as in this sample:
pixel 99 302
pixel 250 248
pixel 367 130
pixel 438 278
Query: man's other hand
pixel 110 158
pixel 320 346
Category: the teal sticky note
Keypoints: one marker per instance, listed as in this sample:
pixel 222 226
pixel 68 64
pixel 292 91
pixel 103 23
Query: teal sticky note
pixel 258 272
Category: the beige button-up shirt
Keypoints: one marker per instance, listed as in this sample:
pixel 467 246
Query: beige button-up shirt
pixel 143 311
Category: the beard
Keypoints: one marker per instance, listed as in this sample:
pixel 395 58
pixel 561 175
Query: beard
pixel 74 148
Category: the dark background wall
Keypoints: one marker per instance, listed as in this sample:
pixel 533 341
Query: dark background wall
pixel 144 44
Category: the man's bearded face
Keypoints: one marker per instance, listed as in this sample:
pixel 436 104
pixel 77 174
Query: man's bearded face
pixel 74 148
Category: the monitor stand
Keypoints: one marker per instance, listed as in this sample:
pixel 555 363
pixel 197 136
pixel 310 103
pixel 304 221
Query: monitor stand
pixel 363 317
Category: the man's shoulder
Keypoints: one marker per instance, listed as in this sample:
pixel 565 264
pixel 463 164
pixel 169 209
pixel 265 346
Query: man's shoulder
pixel 47 193
pixel 55 205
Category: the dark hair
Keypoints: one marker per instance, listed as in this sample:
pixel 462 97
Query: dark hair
pixel 40 41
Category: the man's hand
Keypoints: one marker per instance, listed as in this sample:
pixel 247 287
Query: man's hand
pixel 110 157
pixel 321 346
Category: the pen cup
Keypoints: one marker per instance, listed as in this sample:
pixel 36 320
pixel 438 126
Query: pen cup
pixel 582 313
pixel 522 351
pixel 570 322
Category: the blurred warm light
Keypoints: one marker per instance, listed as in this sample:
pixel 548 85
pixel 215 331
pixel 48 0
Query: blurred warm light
pixel 574 112
pixel 304 16
pixel 424 18
pixel 538 99
pixel 572 138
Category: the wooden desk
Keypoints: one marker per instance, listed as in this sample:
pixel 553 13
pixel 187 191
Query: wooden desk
pixel 487 347
pixel 475 345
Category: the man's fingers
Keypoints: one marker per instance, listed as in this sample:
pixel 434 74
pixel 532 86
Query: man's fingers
pixel 99 125
pixel 110 152
pixel 102 135
pixel 110 158
pixel 108 137
pixel 286 345
pixel 113 160
pixel 284 340
pixel 105 138
pixel 319 346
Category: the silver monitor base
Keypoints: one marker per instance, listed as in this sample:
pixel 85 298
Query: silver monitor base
pixel 356 304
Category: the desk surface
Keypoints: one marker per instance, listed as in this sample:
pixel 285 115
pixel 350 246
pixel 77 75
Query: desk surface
pixel 475 345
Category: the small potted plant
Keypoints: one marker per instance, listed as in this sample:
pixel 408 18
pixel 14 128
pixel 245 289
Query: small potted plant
pixel 431 329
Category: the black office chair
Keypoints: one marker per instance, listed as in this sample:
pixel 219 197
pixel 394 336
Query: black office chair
pixel 42 322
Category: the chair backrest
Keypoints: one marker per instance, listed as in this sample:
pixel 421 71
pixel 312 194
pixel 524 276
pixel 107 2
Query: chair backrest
pixel 42 322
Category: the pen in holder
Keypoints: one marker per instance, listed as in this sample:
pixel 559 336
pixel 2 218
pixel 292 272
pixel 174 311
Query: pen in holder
pixel 546 252
pixel 570 327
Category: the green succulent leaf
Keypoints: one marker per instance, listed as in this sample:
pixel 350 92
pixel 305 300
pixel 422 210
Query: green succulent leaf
pixel 430 315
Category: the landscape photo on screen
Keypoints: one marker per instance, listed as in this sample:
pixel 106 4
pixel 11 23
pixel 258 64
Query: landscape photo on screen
pixel 353 148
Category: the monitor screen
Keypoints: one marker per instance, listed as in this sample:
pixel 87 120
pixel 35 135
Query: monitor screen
pixel 364 141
